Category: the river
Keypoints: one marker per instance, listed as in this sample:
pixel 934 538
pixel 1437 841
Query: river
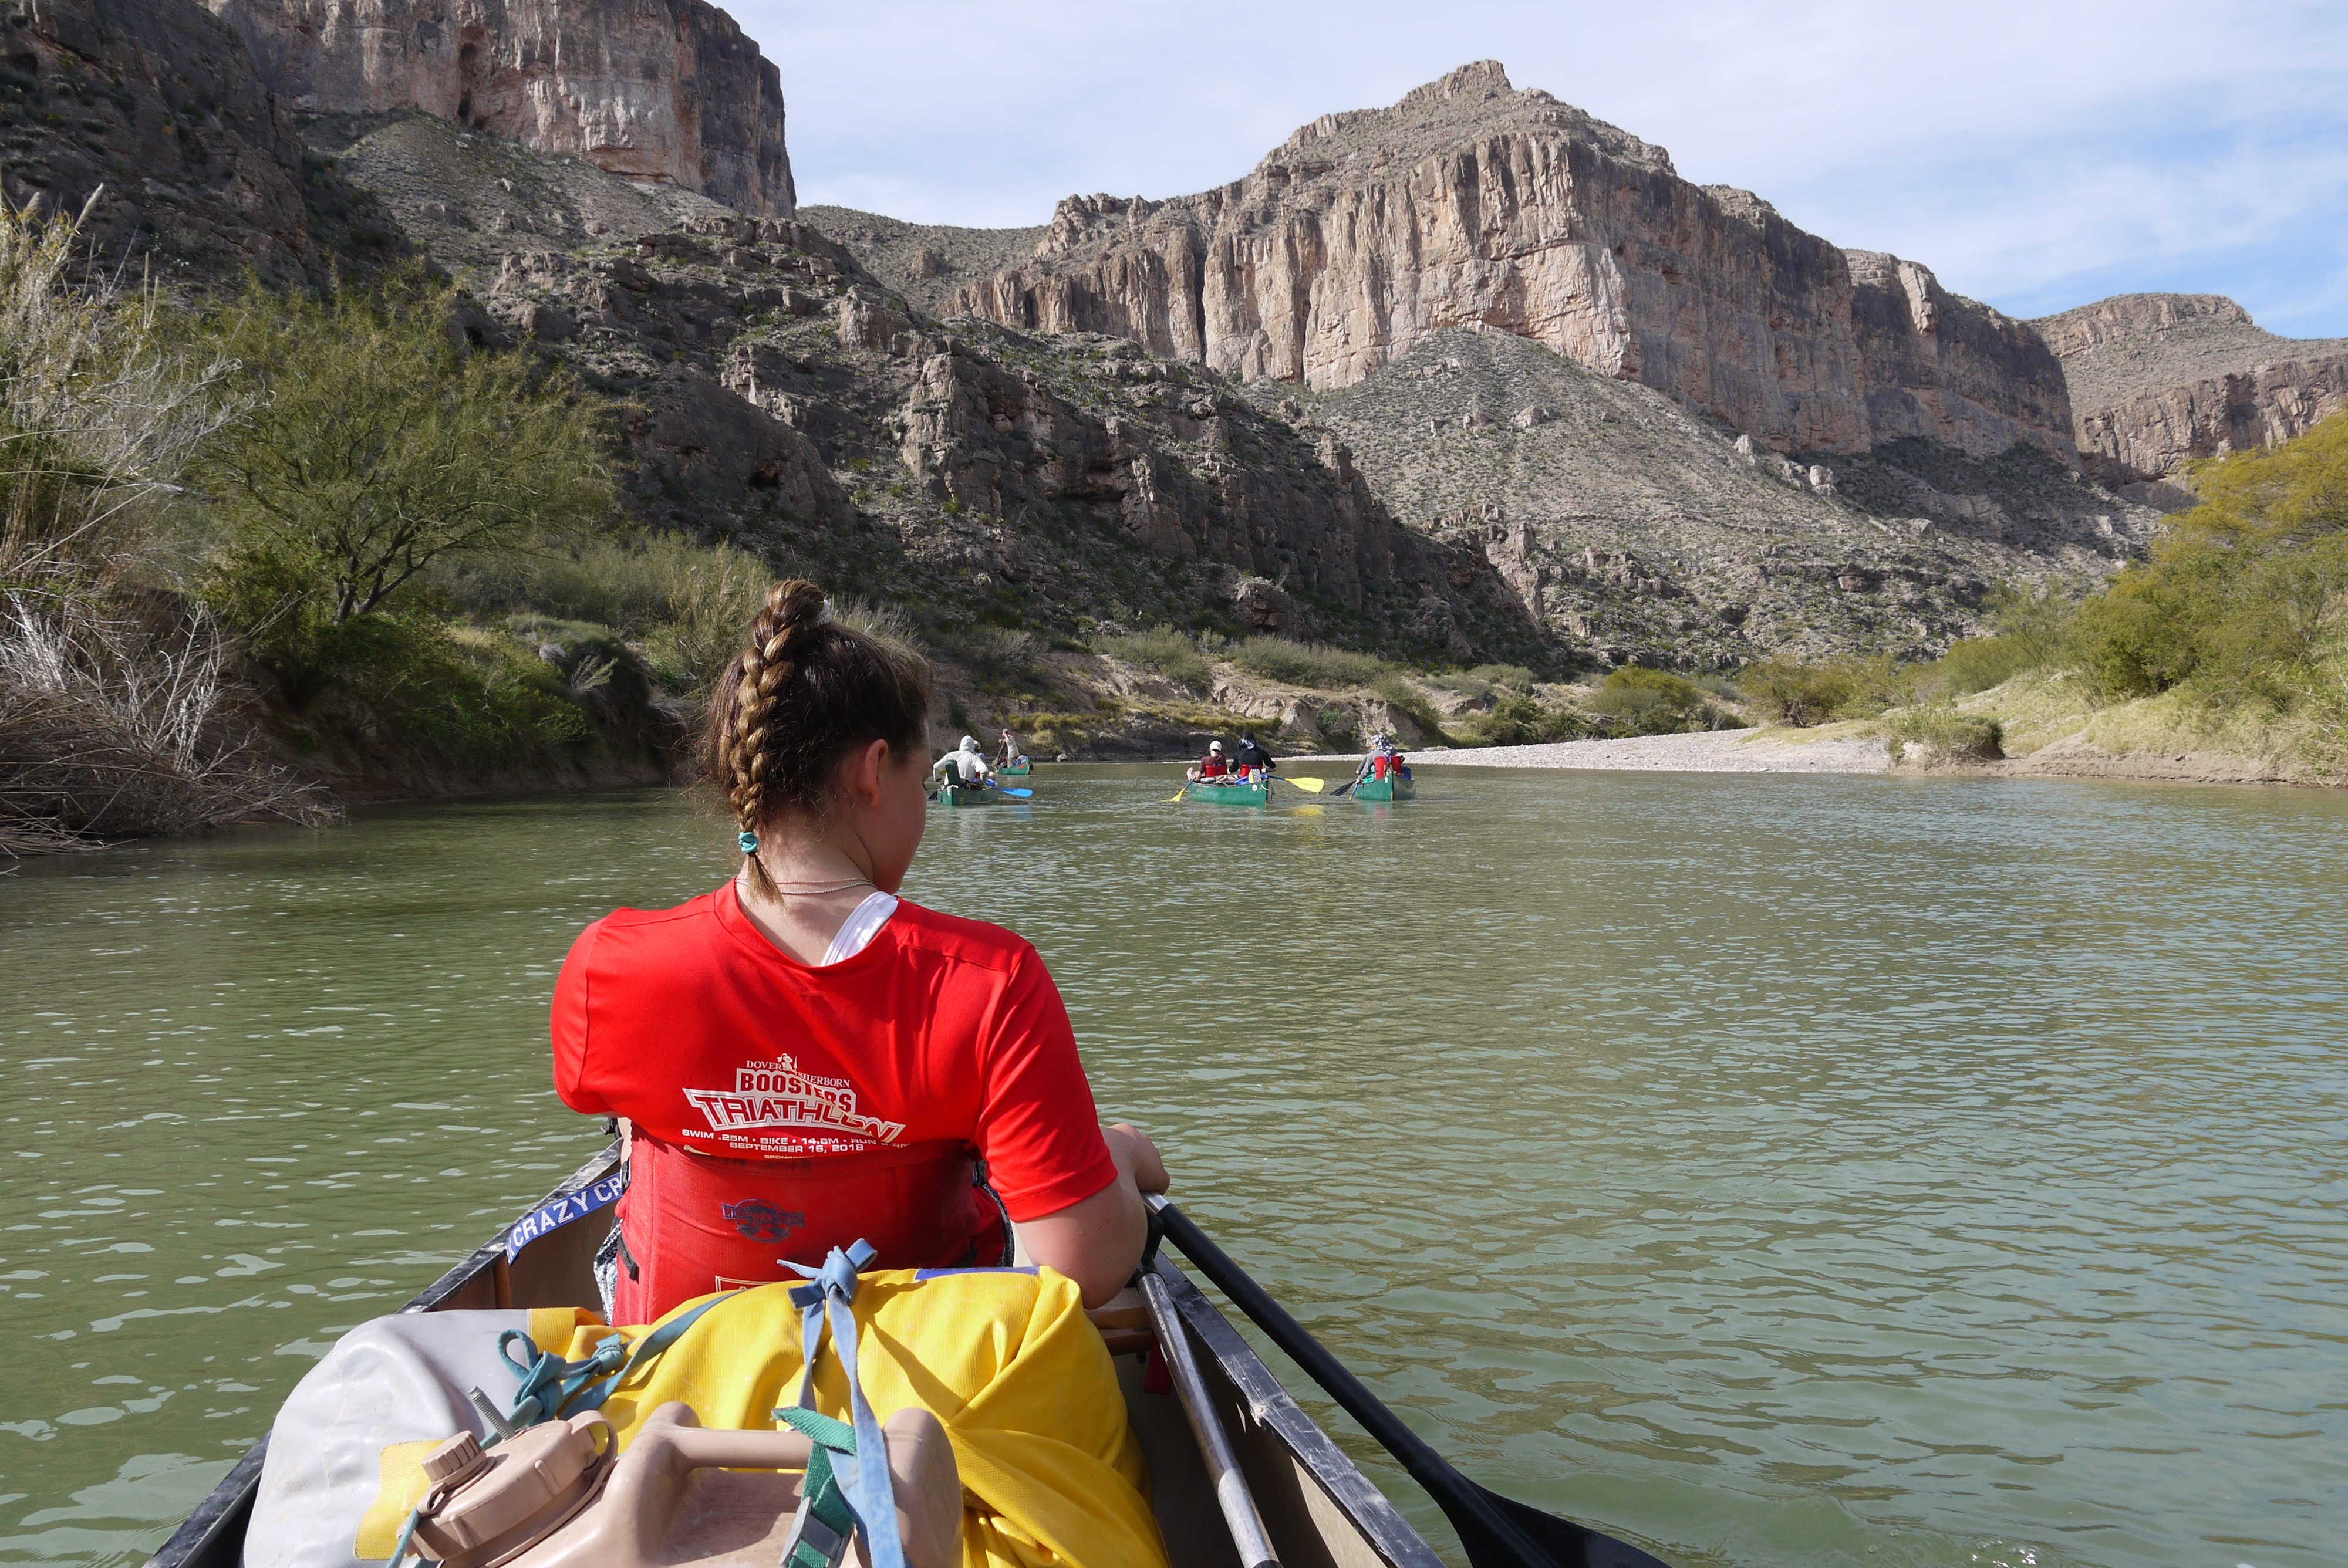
pixel 1778 1171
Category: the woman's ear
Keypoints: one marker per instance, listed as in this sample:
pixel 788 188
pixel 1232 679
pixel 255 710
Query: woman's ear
pixel 864 773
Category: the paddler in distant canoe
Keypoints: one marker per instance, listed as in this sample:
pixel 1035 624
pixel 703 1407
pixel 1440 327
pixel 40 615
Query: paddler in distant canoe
pixel 1255 764
pixel 1010 756
pixel 1211 768
pixel 965 766
pixel 802 1057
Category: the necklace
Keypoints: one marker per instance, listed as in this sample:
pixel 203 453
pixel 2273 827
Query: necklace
pixel 816 889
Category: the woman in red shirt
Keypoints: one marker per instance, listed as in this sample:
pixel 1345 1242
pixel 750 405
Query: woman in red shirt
pixel 803 1059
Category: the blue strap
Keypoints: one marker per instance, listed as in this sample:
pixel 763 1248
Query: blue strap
pixel 863 1467
pixel 552 1387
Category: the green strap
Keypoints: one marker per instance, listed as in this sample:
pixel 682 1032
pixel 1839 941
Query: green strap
pixel 825 1502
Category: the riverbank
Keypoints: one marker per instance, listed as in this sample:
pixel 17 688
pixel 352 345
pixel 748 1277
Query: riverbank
pixel 1755 751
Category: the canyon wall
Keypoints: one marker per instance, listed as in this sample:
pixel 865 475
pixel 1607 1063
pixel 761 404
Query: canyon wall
pixel 1470 203
pixel 668 91
pixel 2160 380
pixel 155 101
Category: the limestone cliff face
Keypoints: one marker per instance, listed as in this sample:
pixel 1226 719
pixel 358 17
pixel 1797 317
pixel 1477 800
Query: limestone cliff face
pixel 2159 380
pixel 1469 202
pixel 668 91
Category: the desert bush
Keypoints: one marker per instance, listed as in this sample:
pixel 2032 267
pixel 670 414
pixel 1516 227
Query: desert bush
pixel 1790 692
pixel 1641 701
pixel 1938 731
pixel 1000 654
pixel 1311 664
pixel 97 415
pixel 1402 697
pixel 1167 651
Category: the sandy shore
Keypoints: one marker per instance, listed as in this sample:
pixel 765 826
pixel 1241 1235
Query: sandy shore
pixel 1711 752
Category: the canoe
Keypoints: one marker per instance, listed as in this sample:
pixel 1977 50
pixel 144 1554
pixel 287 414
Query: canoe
pixel 1318 1511
pixel 1018 770
pixel 1392 787
pixel 1232 794
pixel 968 795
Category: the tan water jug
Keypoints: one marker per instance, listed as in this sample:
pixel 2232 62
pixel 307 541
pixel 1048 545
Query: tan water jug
pixel 551 1496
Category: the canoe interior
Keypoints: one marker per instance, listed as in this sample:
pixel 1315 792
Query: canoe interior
pixel 1319 1511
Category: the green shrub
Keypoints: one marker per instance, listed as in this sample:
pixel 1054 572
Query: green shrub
pixel 1641 701
pixel 2246 595
pixel 1169 653
pixel 408 685
pixel 1515 675
pixel 1792 693
pixel 1310 664
pixel 1946 733
pixel 371 447
pixel 1516 719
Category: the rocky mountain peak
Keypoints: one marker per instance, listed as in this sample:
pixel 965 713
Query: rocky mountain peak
pixel 1473 203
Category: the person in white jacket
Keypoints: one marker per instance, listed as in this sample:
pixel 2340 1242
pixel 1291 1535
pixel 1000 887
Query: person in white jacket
pixel 967 762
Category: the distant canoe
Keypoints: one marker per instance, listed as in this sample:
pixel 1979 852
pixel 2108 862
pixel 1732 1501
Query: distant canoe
pixel 1018 770
pixel 1231 794
pixel 968 795
pixel 1394 786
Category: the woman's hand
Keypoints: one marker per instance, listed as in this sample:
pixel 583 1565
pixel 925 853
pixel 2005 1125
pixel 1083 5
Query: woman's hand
pixel 1136 1156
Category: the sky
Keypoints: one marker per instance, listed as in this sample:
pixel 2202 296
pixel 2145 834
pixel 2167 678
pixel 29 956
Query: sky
pixel 2037 156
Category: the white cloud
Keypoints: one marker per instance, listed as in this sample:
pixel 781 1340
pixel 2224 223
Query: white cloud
pixel 2035 154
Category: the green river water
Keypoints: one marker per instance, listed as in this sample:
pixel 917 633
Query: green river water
pixel 1773 1170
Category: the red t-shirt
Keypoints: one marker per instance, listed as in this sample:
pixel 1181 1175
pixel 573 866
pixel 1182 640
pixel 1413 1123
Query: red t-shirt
pixel 693 1025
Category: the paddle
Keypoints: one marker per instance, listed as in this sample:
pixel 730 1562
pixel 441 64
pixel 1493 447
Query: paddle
pixel 1498 1531
pixel 1310 786
pixel 1014 793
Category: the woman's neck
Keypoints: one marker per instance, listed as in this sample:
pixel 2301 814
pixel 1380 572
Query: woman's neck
pixel 816 885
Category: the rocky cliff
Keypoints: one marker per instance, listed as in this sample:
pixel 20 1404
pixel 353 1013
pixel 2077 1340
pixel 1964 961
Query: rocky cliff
pixel 2157 380
pixel 661 91
pixel 1469 202
pixel 157 101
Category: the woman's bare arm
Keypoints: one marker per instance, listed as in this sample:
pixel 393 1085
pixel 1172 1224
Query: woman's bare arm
pixel 1098 1241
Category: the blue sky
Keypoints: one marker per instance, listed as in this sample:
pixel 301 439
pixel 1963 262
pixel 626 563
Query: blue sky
pixel 2034 156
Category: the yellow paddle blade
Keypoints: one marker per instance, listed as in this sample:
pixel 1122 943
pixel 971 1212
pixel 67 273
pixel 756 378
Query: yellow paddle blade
pixel 1177 795
pixel 1310 786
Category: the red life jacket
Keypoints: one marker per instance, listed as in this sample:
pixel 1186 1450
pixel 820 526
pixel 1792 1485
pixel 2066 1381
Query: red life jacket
pixel 690 1225
pixel 1213 767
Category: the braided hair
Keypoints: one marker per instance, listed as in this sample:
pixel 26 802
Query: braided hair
pixel 807 692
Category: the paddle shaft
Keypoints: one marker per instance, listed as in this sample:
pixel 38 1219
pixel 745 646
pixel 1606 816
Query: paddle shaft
pixel 1490 1526
pixel 1248 1533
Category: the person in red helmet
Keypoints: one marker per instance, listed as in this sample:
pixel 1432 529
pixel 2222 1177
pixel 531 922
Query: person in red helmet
pixel 802 1058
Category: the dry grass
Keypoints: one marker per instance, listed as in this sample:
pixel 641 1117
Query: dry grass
pixel 108 729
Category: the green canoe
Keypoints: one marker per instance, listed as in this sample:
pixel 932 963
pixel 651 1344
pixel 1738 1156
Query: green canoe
pixel 1394 786
pixel 967 794
pixel 1018 770
pixel 1231 794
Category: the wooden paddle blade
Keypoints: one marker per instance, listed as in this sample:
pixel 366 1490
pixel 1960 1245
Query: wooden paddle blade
pixel 1310 786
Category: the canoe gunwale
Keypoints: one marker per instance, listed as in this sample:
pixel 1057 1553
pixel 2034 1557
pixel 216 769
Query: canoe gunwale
pixel 212 1536
pixel 1267 1402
